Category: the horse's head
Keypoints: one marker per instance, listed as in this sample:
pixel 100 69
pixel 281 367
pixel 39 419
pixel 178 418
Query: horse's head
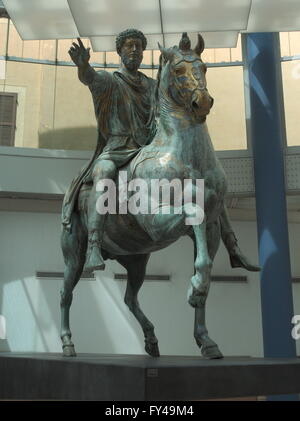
pixel 182 77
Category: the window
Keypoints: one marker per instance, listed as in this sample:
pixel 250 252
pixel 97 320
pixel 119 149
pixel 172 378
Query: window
pixel 8 106
pixel 58 112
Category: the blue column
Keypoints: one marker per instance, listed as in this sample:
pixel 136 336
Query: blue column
pixel 267 132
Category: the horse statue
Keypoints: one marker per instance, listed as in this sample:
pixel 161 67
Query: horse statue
pixel 181 149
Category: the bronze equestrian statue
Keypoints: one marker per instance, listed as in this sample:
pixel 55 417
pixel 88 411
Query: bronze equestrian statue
pixel 131 138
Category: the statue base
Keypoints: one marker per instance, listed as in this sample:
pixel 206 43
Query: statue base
pixel 103 377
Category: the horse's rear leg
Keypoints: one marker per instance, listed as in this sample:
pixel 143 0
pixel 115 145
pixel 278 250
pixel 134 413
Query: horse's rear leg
pixel 136 269
pixel 74 245
pixel 198 291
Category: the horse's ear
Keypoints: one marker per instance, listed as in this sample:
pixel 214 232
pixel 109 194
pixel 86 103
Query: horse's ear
pixel 164 52
pixel 185 42
pixel 200 45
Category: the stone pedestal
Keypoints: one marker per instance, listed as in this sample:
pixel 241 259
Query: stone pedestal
pixel 142 378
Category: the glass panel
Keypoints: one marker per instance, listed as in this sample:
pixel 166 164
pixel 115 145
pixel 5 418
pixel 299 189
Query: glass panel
pixel 103 43
pixel 63 47
pixel 290 44
pixel 285 44
pixel 211 39
pixel 295 43
pixel 42 19
pixel 222 55
pixel 147 72
pixel 226 121
pixel 147 58
pixel 15 44
pixel 3 34
pixel 108 43
pixel 220 39
pixel 56 111
pixel 31 49
pixel 74 118
pixel 156 55
pixel 96 57
pixel 112 58
pixel 43 50
pixel 48 50
pixel 100 17
pixel 206 15
pixel 209 55
pixel 291 93
pixel 236 53
pixel 153 40
pixel 227 55
pixel 274 16
pixel 2 72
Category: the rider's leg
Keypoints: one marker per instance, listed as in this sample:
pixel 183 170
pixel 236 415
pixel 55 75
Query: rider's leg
pixel 103 169
pixel 237 258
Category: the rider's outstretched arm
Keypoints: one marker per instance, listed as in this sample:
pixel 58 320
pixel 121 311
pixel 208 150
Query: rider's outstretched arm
pixel 86 74
pixel 80 56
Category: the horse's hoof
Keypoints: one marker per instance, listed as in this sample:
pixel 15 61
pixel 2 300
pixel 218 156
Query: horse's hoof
pixel 211 352
pixel 94 261
pixel 69 351
pixel 152 349
pixel 91 267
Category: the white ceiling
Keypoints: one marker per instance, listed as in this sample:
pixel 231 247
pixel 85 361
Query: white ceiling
pixel 160 20
pixel 274 16
pixel 103 17
pixel 220 39
pixel 42 19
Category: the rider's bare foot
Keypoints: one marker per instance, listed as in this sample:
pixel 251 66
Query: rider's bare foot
pixel 238 260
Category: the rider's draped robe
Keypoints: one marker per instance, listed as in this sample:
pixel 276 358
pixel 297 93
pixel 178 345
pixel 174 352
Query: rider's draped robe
pixel 124 109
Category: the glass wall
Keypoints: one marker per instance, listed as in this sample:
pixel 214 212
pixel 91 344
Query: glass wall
pixel 227 120
pixel 55 111
pixel 290 52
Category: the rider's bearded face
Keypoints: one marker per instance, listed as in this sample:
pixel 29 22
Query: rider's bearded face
pixel 132 53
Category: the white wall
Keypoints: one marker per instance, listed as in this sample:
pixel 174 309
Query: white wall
pixel 101 323
pixel 39 171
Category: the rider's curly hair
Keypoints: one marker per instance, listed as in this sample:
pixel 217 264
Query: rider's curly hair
pixel 129 33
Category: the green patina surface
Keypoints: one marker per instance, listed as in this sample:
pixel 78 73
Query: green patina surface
pixel 151 130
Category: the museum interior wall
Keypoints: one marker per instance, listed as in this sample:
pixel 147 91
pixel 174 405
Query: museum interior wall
pixel 101 322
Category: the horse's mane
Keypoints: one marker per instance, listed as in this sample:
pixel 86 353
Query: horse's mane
pixel 156 96
pixel 158 79
pixel 184 45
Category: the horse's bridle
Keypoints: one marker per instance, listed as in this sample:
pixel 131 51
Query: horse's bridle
pixel 177 84
pixel 192 60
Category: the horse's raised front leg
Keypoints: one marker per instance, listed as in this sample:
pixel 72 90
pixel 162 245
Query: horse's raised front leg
pixel 136 269
pixel 198 291
pixel 74 248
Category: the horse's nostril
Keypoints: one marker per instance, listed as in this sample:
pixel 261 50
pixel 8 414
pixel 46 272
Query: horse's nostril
pixel 195 105
pixel 211 102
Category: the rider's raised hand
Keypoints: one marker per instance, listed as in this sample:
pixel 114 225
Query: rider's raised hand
pixel 79 54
